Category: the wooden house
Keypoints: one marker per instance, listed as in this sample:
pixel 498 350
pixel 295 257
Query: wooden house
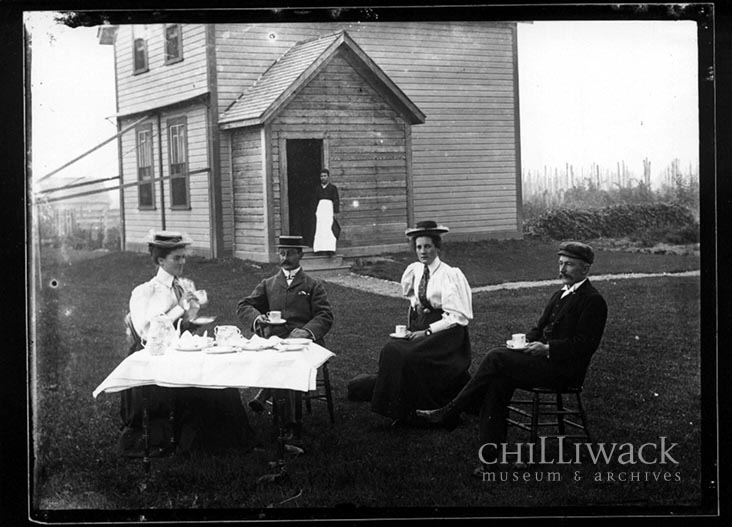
pixel 228 126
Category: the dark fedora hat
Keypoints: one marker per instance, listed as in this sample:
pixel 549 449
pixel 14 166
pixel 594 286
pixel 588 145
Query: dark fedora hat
pixel 578 250
pixel 168 239
pixel 426 227
pixel 290 242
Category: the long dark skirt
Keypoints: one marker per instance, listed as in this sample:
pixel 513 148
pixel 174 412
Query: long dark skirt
pixel 425 373
pixel 185 420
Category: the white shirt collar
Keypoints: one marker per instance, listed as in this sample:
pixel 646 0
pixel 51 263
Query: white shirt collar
pixel 291 273
pixel 434 265
pixel 164 277
pixel 574 286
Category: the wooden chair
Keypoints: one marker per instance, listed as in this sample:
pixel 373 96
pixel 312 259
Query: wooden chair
pixel 323 390
pixel 134 339
pixel 549 402
pixel 135 344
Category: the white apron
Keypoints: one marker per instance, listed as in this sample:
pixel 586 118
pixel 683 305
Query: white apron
pixel 324 238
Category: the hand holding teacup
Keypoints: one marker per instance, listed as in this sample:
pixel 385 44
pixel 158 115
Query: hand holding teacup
pixel 274 316
pixel 201 296
pixel 518 340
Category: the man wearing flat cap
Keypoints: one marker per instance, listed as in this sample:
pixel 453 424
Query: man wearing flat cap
pixel 301 299
pixel 557 353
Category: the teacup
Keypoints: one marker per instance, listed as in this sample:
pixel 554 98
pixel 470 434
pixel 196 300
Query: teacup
pixel 274 316
pixel 400 331
pixel 518 340
pixel 226 334
pixel 202 296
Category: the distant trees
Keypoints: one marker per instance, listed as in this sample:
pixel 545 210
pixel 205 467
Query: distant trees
pixel 601 187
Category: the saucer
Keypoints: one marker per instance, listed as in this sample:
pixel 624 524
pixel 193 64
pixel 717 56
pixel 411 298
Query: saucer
pixel 290 347
pixel 276 322
pixel 395 336
pixel 189 348
pixel 296 342
pixel 511 345
pixel 200 321
pixel 221 349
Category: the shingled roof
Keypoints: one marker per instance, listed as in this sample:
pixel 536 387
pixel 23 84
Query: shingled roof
pixel 300 64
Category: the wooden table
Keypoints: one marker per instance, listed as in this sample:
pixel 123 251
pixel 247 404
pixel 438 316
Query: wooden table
pixel 283 371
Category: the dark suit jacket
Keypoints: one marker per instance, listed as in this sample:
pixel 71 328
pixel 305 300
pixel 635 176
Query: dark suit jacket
pixel 573 331
pixel 304 304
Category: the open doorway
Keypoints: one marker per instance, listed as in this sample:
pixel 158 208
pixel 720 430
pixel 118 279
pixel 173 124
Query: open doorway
pixel 304 161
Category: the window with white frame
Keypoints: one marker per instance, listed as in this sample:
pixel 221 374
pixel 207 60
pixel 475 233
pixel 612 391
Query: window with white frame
pixel 178 162
pixel 173 44
pixel 139 49
pixel 145 173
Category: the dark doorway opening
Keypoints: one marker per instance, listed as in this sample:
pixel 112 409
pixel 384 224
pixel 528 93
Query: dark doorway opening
pixel 304 161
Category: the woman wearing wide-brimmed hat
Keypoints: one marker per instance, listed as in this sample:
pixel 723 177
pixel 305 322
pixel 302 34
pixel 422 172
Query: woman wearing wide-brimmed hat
pixel 203 419
pixel 430 365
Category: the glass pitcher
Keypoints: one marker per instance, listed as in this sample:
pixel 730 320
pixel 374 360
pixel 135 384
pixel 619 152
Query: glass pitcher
pixel 161 335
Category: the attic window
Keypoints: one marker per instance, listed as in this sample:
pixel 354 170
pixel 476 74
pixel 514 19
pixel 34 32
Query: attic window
pixel 173 44
pixel 140 55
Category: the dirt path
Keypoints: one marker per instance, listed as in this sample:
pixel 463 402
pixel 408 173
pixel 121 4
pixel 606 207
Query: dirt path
pixel 392 289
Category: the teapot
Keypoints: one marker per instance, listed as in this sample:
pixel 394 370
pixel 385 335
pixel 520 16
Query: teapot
pixel 161 335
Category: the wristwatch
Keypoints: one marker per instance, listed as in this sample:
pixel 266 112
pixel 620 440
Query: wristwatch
pixel 428 332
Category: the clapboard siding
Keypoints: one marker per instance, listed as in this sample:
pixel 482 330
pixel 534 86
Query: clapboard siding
pixel 195 221
pixel 248 203
pixel 368 163
pixel 162 84
pixel 460 74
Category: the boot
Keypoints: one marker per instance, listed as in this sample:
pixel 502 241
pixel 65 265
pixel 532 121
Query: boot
pixel 260 400
pixel 447 415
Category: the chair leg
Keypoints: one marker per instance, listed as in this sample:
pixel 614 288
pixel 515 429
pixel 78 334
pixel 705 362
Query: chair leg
pixel 583 417
pixel 328 393
pixel 535 417
pixel 560 417
pixel 308 403
pixel 145 430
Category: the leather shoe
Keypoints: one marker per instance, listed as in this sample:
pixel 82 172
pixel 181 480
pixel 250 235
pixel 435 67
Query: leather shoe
pixel 256 405
pixel 444 415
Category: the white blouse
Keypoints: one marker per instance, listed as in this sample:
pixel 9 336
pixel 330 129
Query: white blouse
pixel 447 289
pixel 154 298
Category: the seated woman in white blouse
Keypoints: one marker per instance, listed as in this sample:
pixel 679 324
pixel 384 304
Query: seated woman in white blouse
pixel 431 364
pixel 203 419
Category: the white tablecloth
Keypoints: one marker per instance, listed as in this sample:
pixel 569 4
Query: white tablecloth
pixel 293 370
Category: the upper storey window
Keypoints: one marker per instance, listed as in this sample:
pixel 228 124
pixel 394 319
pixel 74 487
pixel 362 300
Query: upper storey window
pixel 139 49
pixel 173 44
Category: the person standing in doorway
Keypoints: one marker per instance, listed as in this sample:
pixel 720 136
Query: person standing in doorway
pixel 327 207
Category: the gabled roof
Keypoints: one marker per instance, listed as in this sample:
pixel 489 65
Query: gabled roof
pixel 298 66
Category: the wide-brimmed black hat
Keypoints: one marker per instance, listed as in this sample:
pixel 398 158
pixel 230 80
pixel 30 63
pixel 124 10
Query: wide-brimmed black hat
pixel 578 250
pixel 290 242
pixel 168 239
pixel 426 227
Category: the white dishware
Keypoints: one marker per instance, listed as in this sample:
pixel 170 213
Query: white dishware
pixel 519 339
pixel 226 335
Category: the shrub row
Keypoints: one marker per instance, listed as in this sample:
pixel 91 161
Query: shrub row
pixel 609 222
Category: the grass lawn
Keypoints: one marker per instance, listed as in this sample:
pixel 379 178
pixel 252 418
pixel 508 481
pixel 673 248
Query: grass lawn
pixel 496 261
pixel 644 382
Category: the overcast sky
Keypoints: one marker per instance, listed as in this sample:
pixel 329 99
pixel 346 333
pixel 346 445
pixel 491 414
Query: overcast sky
pixel 589 92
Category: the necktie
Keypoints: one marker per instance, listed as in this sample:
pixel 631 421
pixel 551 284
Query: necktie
pixel 177 289
pixel 422 289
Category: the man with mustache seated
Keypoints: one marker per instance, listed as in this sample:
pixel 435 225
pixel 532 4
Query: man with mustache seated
pixel 557 353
